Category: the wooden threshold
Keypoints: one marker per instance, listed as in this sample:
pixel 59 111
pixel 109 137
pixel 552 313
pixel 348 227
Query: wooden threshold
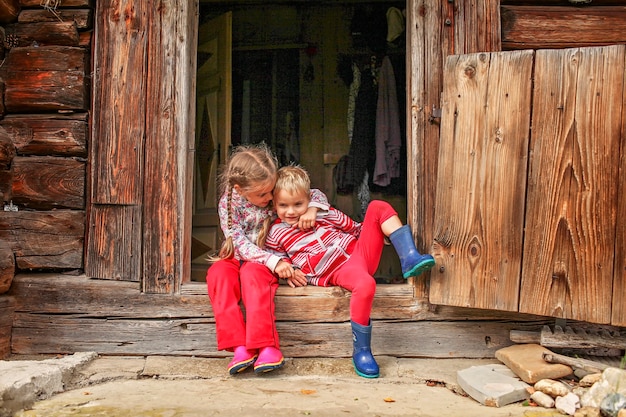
pixel 66 314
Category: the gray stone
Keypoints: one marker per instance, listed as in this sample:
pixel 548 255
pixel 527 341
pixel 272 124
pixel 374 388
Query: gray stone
pixel 492 385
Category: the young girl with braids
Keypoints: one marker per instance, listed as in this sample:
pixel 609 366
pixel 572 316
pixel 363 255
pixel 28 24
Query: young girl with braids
pixel 243 271
pixel 339 251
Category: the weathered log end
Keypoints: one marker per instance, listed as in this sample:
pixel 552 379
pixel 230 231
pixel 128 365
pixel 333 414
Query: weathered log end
pixel 7 267
pixel 9 11
pixel 7 313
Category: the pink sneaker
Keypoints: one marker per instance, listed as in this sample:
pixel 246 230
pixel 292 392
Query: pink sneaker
pixel 242 360
pixel 269 359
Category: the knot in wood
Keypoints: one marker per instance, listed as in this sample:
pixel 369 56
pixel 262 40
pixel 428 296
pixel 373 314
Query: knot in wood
pixel 470 71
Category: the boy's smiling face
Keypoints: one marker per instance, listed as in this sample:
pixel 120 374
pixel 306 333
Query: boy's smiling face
pixel 290 206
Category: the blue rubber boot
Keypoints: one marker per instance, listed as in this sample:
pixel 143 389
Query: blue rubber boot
pixel 364 363
pixel 413 263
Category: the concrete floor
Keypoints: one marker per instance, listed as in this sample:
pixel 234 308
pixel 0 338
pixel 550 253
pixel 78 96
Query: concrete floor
pixel 157 386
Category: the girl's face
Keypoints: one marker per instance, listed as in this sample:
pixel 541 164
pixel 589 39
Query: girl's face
pixel 259 194
pixel 289 207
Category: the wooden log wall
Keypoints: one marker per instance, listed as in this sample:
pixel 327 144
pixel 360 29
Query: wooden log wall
pixel 43 132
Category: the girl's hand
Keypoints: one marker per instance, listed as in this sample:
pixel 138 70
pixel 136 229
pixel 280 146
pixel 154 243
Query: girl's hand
pixel 284 270
pixel 307 220
pixel 298 279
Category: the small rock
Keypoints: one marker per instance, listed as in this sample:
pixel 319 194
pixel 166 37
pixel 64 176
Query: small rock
pixel 612 404
pixel 589 380
pixel 567 404
pixel 588 412
pixel 542 399
pixel 552 388
pixel 613 380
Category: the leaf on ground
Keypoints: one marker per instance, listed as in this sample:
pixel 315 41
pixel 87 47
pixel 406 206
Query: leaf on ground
pixel 308 391
pixel 389 400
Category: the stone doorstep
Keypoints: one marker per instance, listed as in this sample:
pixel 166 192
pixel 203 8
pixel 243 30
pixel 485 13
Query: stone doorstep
pixel 493 385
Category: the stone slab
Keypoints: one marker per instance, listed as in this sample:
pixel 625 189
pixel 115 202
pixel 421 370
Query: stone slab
pixel 526 361
pixel 493 385
pixel 24 382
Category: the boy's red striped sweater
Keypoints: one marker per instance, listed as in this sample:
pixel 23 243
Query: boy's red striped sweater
pixel 319 251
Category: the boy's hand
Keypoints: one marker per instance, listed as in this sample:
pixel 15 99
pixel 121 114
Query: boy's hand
pixel 284 270
pixel 307 220
pixel 298 279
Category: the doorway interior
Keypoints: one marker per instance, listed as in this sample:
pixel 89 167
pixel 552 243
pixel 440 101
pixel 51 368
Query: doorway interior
pixel 288 90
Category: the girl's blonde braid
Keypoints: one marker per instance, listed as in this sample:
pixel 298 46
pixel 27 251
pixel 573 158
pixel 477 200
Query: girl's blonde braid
pixel 228 249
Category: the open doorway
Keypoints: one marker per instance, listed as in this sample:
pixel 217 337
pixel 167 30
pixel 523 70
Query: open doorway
pixel 288 90
pixel 266 100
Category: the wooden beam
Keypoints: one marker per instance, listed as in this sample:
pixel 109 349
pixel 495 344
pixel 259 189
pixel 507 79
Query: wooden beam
pixel 45 239
pixel 47 134
pixel 534 27
pixel 47 182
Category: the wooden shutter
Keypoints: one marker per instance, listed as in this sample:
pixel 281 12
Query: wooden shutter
pixel 527 193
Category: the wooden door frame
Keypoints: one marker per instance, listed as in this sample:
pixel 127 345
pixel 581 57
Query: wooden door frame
pixel 170 117
pixel 159 230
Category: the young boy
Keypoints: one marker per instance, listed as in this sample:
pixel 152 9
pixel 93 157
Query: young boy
pixel 339 251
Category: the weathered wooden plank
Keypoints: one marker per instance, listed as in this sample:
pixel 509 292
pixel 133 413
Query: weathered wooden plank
pixel 572 187
pixel 43 182
pixel 46 78
pixel 6 179
pixel 535 27
pixel 38 334
pixel 424 63
pixel 43 33
pixel 81 17
pixel 47 58
pixel 7 266
pixel 618 314
pixel 45 134
pixel 50 239
pixel 114 242
pixel 7 312
pixel 161 203
pixel 84 39
pixel 42 293
pixel 484 137
pixel 119 102
pixel 32 91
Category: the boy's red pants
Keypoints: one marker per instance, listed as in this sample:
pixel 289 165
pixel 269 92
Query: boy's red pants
pixel 357 274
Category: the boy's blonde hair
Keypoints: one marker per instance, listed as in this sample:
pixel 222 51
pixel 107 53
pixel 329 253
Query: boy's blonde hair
pixel 294 179
pixel 248 166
